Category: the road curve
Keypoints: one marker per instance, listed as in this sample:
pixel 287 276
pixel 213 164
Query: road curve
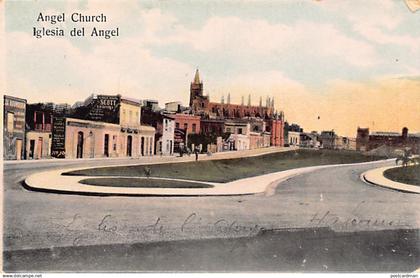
pixel 330 197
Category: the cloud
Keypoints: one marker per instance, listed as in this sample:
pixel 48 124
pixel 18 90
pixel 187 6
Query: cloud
pixel 57 69
pixel 257 37
pixel 377 22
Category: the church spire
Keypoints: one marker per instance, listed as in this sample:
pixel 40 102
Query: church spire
pixel 197 77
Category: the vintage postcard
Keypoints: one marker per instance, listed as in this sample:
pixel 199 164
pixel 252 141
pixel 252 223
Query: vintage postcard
pixel 211 136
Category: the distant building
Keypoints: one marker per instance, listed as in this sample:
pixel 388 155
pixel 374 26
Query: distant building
pixel 291 134
pixel 329 140
pixel 362 139
pixel 366 141
pixel 165 130
pixel 14 113
pixel 309 140
pixel 213 113
pixel 246 134
pixel 174 107
pixel 294 138
pixel 212 126
pixel 62 108
pixel 187 122
pixel 152 104
pixel 201 105
pixel 166 144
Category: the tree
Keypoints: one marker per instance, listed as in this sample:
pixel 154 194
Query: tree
pixel 405 158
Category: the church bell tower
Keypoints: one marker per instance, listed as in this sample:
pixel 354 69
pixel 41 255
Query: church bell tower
pixel 196 88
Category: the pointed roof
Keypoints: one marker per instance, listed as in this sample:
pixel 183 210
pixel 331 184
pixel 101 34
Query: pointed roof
pixel 197 77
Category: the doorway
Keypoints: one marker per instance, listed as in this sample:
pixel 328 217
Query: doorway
pixel 106 145
pixel 31 149
pixel 39 148
pixel 142 146
pixel 79 145
pixel 129 144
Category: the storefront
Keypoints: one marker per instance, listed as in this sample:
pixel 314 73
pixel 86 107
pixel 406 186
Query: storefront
pixel 91 139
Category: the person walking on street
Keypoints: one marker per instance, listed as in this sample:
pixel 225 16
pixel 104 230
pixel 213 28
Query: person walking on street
pixel 196 153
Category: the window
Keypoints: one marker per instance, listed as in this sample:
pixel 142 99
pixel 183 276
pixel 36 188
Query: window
pixel 194 127
pixel 228 129
pixel 176 125
pixel 114 145
pixel 185 126
pixel 239 130
pixel 10 122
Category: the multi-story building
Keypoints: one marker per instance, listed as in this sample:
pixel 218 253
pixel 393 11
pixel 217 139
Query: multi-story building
pixel 173 107
pixel 14 113
pixel 39 120
pixel 166 144
pixel 187 122
pixel 105 126
pixel 309 140
pixel 213 113
pixel 165 130
pixel 367 142
pixel 295 129
pixel 329 140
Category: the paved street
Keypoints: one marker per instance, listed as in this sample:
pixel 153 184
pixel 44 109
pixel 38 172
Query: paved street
pixel 332 197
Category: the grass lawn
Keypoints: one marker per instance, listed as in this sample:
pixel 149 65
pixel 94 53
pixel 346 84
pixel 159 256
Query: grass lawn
pixel 408 175
pixel 226 170
pixel 147 183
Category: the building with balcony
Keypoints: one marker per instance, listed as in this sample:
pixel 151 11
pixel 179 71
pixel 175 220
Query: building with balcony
pixel 39 120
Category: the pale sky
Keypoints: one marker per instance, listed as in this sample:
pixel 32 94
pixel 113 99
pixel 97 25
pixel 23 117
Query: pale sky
pixel 353 63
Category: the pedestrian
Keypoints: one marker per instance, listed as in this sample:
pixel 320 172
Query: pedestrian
pixel 196 153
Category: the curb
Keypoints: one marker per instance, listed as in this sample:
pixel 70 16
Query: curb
pixel 376 177
pixel 267 183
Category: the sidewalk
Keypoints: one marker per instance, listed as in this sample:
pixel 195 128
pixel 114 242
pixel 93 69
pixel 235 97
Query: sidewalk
pixel 158 158
pixel 376 177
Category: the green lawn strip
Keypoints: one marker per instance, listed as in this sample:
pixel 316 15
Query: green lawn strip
pixel 144 183
pixel 407 175
pixel 227 170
